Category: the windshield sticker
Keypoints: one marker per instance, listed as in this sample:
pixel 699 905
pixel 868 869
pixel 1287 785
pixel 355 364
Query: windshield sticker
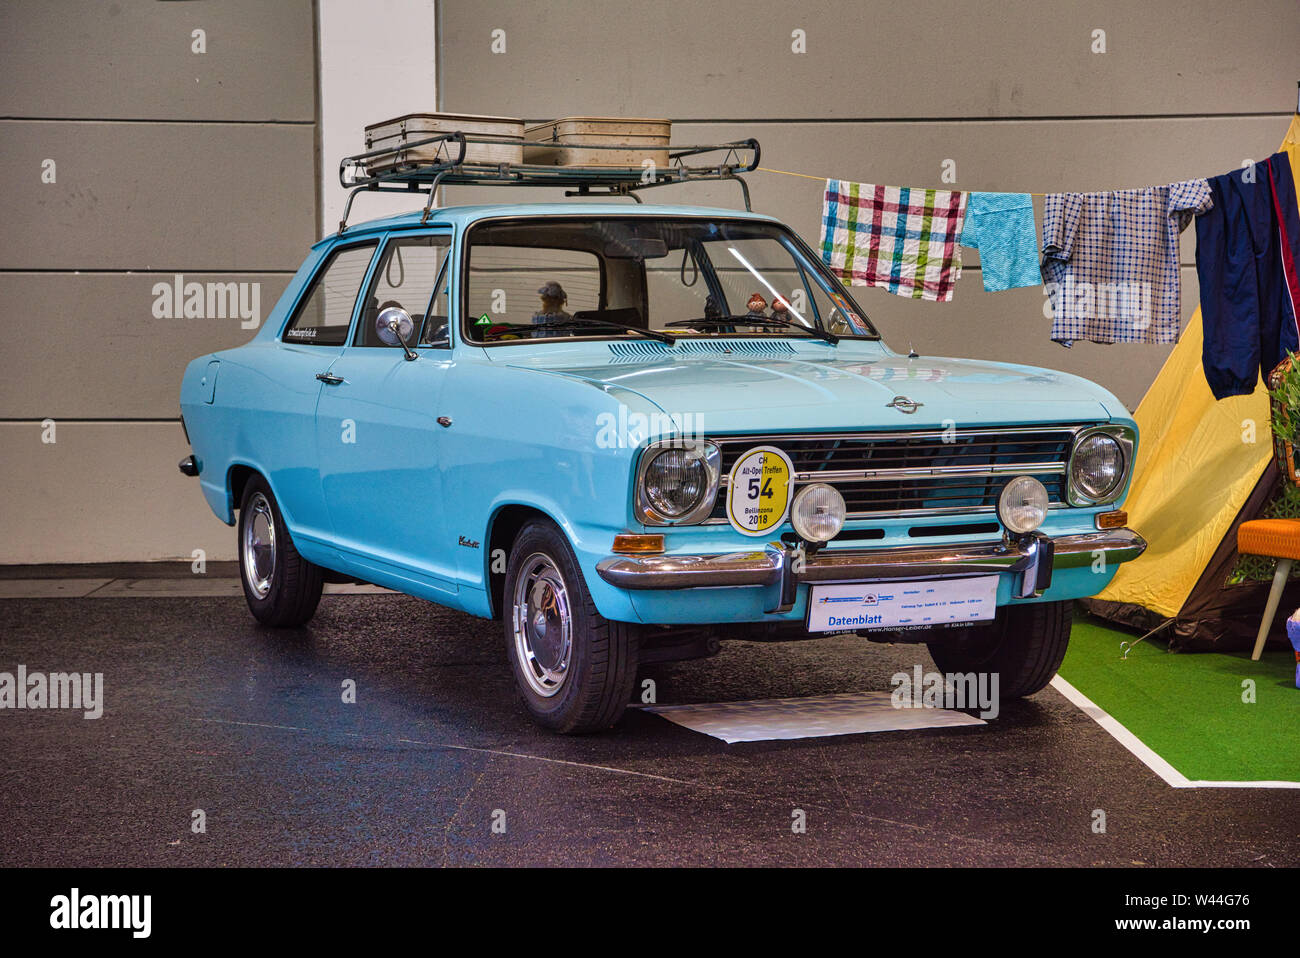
pixel 484 320
pixel 758 490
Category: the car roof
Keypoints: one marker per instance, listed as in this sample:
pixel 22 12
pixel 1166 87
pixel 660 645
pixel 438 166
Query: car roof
pixel 461 216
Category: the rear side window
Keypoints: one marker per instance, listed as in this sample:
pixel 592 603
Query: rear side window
pixel 325 312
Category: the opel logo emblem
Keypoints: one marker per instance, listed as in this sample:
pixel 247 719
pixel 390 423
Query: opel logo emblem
pixel 903 404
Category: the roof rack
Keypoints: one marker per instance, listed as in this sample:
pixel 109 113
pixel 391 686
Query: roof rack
pixel 398 173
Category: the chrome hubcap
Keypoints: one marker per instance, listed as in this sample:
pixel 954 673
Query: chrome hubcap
pixel 543 625
pixel 258 550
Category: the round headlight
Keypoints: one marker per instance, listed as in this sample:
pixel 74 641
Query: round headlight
pixel 675 481
pixel 818 512
pixel 1022 507
pixel 1097 467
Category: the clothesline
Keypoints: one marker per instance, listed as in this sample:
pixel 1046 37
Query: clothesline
pixel 806 176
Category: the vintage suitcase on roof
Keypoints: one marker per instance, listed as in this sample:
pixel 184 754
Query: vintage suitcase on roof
pixel 642 139
pixel 504 133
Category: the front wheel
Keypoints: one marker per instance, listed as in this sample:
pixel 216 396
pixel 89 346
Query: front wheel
pixel 575 670
pixel 1024 645
pixel 281 587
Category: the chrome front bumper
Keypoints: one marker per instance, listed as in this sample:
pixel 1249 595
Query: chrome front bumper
pixel 779 569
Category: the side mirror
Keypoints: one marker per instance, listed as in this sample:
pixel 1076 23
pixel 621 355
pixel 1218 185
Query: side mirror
pixel 394 327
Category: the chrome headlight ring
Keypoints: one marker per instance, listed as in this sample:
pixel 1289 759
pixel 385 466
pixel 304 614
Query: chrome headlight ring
pixel 708 454
pixel 1126 439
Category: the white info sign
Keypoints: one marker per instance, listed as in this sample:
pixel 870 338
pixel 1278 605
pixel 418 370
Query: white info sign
pixel 851 606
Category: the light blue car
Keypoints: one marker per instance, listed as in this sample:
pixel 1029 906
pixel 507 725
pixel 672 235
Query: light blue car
pixel 628 432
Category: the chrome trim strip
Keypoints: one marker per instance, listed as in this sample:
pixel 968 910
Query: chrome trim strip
pixel 910 513
pixel 1070 429
pixel 932 472
pixel 771 566
pixel 763 567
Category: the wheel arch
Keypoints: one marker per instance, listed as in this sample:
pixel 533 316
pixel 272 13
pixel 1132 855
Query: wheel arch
pixel 239 474
pixel 503 528
pixel 237 477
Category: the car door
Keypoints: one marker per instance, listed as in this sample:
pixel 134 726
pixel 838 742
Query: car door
pixel 312 340
pixel 377 433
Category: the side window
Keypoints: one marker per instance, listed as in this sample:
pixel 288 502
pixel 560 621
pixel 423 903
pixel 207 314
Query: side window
pixel 435 324
pixel 325 313
pixel 407 276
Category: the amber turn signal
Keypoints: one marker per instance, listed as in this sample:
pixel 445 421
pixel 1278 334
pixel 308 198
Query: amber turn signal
pixel 1112 520
pixel 638 545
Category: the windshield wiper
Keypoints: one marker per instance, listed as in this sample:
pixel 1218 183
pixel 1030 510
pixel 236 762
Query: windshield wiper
pixel 816 331
pixel 664 338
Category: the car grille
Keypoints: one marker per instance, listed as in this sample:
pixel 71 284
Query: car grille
pixel 917 473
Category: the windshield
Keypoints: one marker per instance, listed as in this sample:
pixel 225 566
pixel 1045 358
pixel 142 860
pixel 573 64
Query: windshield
pixel 607 277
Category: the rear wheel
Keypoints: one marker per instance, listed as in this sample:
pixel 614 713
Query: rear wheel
pixel 575 670
pixel 281 587
pixel 1024 646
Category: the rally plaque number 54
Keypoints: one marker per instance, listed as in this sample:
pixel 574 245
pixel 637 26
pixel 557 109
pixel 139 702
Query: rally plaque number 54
pixel 758 490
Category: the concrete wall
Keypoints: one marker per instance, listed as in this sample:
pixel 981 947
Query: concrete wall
pixel 1012 94
pixel 133 150
pixel 206 164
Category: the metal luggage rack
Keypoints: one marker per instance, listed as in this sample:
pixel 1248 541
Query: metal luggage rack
pixel 450 169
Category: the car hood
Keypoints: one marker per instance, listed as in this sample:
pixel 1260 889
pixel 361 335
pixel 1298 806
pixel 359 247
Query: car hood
pixel 739 394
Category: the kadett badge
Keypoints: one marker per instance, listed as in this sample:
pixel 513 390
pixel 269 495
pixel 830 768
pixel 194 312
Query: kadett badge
pixel 758 490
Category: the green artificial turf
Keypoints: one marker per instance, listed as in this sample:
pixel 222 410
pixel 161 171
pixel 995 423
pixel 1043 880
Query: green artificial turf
pixel 1188 708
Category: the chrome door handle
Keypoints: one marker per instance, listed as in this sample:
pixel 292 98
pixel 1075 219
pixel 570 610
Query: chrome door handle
pixel 329 379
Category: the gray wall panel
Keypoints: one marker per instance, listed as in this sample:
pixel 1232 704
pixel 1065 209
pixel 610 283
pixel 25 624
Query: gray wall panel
pixel 167 161
pixel 133 59
pixel 102 492
pixel 1010 326
pixel 928 58
pixel 156 196
pixel 1039 156
pixel 101 351
pixel 1035 155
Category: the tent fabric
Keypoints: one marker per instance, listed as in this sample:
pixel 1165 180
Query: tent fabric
pixel 1203 467
pixel 1198 461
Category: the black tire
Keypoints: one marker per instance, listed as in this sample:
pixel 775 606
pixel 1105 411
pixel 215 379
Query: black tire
pixel 288 595
pixel 1024 645
pixel 599 660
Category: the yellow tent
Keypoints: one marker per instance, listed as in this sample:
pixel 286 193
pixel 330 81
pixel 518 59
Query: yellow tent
pixel 1202 466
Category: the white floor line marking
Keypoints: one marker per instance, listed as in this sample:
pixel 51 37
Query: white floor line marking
pixel 486 751
pixel 560 761
pixel 285 728
pixel 1173 778
pixel 603 768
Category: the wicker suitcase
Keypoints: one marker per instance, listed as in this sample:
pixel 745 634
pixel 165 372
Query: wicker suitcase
pixel 505 134
pixel 642 139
